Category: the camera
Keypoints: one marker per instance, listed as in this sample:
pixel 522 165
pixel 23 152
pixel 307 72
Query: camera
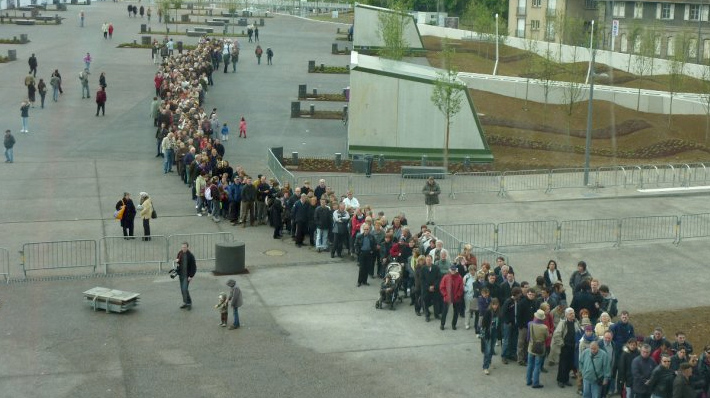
pixel 173 273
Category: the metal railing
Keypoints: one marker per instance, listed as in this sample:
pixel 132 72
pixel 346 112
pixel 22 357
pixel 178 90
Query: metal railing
pixel 115 250
pixel 58 254
pixel 279 172
pixel 5 264
pixel 455 246
pixel 544 180
pixel 577 233
pixel 202 245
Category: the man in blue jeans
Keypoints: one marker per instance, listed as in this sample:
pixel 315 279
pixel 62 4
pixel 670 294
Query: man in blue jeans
pixel 235 299
pixel 510 328
pixel 9 142
pixel 595 370
pixel 537 335
pixel 186 268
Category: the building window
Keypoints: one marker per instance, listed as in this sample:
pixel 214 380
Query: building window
pixel 535 24
pixel 520 29
pixel 624 44
pixel 550 31
pixel 637 44
pixel 537 3
pixel 638 10
pixel 666 11
pixel 692 48
pixel 693 12
pixel 657 45
pixel 590 4
pixel 670 50
pixel 619 9
pixel 706 49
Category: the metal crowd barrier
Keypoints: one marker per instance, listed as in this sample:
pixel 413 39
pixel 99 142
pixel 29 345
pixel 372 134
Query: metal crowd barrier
pixel 58 254
pixel 117 250
pixel 5 264
pixel 576 233
pixel 455 246
pixel 202 245
pixel 546 180
pixel 279 172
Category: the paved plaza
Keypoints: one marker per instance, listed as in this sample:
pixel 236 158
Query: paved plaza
pixel 307 331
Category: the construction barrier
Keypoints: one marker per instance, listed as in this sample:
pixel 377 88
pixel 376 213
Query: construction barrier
pixel 202 245
pixel 58 254
pixel 115 250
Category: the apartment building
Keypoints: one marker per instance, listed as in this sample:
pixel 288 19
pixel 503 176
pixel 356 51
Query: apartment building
pixel 672 26
pixel 539 19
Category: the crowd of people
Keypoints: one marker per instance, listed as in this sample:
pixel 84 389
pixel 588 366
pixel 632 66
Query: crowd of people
pixel 535 325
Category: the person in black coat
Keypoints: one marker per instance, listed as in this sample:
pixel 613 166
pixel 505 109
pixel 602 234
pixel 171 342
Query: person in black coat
pixel 584 299
pixel 128 215
pixel 313 203
pixel 431 277
pixel 275 213
pixel 186 270
pixel 299 213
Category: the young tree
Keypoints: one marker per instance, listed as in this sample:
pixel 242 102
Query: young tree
pixel 676 65
pixel 529 66
pixel 706 99
pixel 392 25
pixel 164 9
pixel 545 71
pixel 177 4
pixel 448 95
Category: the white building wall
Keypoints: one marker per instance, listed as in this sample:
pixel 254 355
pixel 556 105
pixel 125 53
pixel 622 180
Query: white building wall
pixel 367 26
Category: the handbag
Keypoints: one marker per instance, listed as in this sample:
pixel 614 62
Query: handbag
pixel 538 347
pixel 153 214
pixel 118 214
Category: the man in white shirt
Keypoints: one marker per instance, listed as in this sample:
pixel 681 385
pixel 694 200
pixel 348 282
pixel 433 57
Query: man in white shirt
pixel 351 203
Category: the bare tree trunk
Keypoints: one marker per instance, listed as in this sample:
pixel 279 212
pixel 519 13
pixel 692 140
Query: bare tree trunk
pixel 446 145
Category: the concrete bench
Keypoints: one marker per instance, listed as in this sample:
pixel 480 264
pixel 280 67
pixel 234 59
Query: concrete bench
pixel 212 22
pixel 25 22
pixel 192 33
pixel 47 19
pixel 203 29
pixel 223 20
pixel 423 172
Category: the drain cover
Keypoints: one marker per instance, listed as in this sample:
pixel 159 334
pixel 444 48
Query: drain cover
pixel 274 252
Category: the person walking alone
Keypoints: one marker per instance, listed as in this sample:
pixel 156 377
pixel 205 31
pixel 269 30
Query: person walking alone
pixel 258 53
pixel 9 143
pixel 431 193
pixel 186 269
pixel 101 101
pixel 33 65
pixel 242 128
pixel 84 79
pixel 235 299
pixel 146 209
pixel 25 115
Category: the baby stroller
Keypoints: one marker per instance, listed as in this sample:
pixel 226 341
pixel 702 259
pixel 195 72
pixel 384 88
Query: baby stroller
pixel 389 293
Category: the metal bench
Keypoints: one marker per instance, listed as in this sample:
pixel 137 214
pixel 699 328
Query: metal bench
pixel 224 20
pixel 203 29
pixel 25 22
pixel 192 33
pixel 212 22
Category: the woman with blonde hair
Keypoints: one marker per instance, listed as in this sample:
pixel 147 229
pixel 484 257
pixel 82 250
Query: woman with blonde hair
pixel 146 212
pixel 468 254
pixel 603 325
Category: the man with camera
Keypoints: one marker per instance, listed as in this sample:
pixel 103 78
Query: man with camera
pixel 186 269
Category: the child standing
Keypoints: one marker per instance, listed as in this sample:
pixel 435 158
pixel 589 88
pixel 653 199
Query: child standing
pixel 222 307
pixel 243 128
pixel 225 132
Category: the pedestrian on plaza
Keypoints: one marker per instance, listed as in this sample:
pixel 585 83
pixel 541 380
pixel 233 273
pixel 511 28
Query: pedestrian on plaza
pixel 31 90
pixel 365 246
pixel 242 128
pixel 258 53
pixel 234 57
pixel 33 65
pixel 225 132
pixel 256 33
pixel 81 18
pixel 59 81
pixel 250 33
pixel 102 80
pixel 135 11
pixel 104 29
pixel 9 143
pixel 101 101
pixel 87 61
pixel 84 79
pixel 223 308
pixel 42 88
pixel 235 300
pixel 537 335
pixel 451 289
pixel 25 114
pixel 130 10
pixel 146 213
pixel 141 11
pixel 148 13
pixel 269 55
pixel 431 193
pixel 186 269
pixel 110 30
pixel 595 370
pixel 128 215
pixel 490 333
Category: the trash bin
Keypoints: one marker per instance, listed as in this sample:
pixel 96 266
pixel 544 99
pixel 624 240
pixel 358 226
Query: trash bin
pixel 12 55
pixel 144 28
pixel 229 258
pixel 145 40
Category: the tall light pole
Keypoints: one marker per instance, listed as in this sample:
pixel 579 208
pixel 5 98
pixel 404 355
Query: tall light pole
pixel 590 107
pixel 495 67
pixel 591 49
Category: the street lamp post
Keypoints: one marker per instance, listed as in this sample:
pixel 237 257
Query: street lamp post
pixel 495 67
pixel 590 107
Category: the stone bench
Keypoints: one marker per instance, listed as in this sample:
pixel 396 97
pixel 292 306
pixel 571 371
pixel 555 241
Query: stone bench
pixel 47 19
pixel 423 172
pixel 223 20
pixel 25 22
pixel 192 33
pixel 203 29
pixel 212 22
